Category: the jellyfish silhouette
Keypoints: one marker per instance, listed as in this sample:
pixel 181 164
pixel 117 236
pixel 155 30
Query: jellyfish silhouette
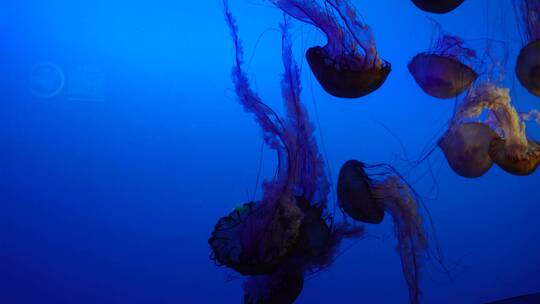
pixel 437 6
pixel 283 237
pixel 528 61
pixel 365 199
pixel 444 71
pixel 348 66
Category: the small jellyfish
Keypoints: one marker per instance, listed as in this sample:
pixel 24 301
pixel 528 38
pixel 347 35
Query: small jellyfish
pixel 445 70
pixel 355 195
pixel 528 61
pixel 348 66
pixel 467 147
pixel 437 6
pixel 393 196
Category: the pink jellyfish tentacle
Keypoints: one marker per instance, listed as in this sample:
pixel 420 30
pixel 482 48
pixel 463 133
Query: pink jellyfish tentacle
pixel 307 166
pixel 273 127
pixel 361 32
pixel 311 12
pixel 412 245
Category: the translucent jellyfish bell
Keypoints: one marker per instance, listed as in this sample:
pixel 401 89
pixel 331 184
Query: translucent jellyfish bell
pixel 467 148
pixel 355 196
pixel 348 66
pixel 437 6
pixel 442 72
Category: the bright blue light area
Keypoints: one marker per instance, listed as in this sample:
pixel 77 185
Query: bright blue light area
pixel 111 188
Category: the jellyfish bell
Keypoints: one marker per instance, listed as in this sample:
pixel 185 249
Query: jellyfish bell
pixel 437 6
pixel 348 65
pixel 282 287
pixel 255 239
pixel 441 76
pixel 528 67
pixel 355 196
pixel 515 160
pixel 344 76
pixel 467 148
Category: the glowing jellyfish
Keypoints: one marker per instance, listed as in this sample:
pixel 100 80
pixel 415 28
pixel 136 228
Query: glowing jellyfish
pixel 437 6
pixel 284 236
pixel 467 148
pixel 511 149
pixel 46 80
pixel 528 62
pixel 348 66
pixel 445 71
pixel 392 195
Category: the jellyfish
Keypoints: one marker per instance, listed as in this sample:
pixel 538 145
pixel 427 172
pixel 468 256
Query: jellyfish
pixel 510 149
pixel 466 148
pixel 286 235
pixel 437 6
pixel 445 71
pixel 365 199
pixel 528 61
pixel 348 66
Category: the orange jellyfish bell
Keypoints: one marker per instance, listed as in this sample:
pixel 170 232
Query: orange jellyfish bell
pixel 437 6
pixel 344 76
pixel 467 149
pixel 441 76
pixel 355 194
pixel 528 67
pixel 524 163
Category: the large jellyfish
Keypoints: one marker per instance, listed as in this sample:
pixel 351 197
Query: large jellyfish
pixel 348 66
pixel 445 70
pixel 505 142
pixel 284 236
pixel 365 199
pixel 528 62
pixel 437 6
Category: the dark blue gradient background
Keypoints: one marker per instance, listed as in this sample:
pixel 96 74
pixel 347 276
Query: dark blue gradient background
pixel 111 199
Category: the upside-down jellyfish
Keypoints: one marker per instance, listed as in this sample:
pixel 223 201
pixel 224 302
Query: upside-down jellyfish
pixel 528 62
pixel 444 71
pixel 364 198
pixel 348 66
pixel 437 6
pixel 283 237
